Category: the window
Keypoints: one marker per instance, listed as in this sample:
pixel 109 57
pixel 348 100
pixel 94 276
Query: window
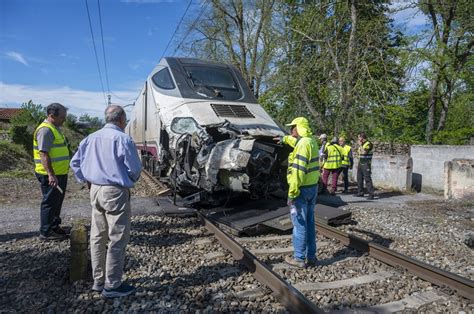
pixel 211 76
pixel 163 79
pixel 213 82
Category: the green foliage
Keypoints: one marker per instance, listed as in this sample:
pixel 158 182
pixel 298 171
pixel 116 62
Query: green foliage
pixel 454 137
pixel 405 122
pixel 71 122
pixel 93 123
pixel 31 114
pixel 14 160
pixel 460 122
pixel 23 125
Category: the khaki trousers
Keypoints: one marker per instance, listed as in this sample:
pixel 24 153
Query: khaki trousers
pixel 110 233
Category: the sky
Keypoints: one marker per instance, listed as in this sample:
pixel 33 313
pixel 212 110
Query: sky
pixel 47 52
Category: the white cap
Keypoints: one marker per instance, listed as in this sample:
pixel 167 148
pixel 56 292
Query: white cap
pixel 323 136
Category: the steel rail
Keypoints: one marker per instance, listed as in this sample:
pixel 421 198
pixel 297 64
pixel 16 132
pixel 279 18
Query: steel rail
pixel 291 298
pixel 463 286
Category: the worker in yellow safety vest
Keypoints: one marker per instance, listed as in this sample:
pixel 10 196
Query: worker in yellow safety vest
pixel 51 157
pixel 347 162
pixel 364 168
pixel 332 165
pixel 302 177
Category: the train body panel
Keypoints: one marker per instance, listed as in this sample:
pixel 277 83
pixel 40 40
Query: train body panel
pixel 199 128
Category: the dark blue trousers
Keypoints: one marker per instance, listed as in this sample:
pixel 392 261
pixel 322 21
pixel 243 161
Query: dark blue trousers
pixel 51 203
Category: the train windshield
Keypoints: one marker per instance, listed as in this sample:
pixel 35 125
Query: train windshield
pixel 213 82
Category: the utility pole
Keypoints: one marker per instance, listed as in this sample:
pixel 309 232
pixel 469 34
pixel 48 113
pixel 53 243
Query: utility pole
pixel 109 101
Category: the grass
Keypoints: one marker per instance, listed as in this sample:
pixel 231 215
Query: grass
pixel 15 161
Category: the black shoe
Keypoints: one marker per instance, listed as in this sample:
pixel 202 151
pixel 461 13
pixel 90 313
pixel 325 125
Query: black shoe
pixel 121 291
pixel 52 236
pixel 312 262
pixel 345 192
pixel 359 195
pixel 370 197
pixel 60 230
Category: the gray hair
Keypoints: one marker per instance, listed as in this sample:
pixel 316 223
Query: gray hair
pixel 54 109
pixel 114 114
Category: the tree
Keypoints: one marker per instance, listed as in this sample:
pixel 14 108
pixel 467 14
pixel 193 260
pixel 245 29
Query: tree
pixel 335 69
pixel 449 50
pixel 241 33
pixel 24 124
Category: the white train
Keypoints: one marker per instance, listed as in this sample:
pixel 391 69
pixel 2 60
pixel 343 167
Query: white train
pixel 198 128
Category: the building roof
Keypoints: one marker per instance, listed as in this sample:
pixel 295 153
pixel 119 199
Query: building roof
pixel 8 113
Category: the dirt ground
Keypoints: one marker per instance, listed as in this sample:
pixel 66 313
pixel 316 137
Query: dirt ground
pixel 20 201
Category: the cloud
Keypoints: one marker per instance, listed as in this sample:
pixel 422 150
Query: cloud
pixel 408 14
pixel 78 101
pixel 16 56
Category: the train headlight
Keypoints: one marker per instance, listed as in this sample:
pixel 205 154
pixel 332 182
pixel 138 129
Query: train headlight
pixel 184 125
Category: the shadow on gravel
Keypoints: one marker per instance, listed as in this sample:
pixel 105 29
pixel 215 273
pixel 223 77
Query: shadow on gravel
pixel 18 236
pixel 160 240
pixel 373 237
pixel 159 225
pixel 203 275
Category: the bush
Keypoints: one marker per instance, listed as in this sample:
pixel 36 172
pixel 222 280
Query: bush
pixel 14 157
pixel 21 135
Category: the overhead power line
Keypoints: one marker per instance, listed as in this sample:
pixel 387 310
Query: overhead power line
pixel 103 49
pixel 95 52
pixel 176 30
pixel 198 17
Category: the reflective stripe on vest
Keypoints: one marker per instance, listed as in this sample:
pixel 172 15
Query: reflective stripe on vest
pixel 345 155
pixel 58 154
pixel 334 160
pixel 306 165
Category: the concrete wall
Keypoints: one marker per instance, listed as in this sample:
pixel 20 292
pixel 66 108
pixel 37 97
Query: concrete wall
pixel 428 164
pixel 459 179
pixel 389 172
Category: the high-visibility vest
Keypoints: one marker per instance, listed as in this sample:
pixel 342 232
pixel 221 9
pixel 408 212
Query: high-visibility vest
pixel 334 160
pixel 58 154
pixel 303 165
pixel 346 149
pixel 366 157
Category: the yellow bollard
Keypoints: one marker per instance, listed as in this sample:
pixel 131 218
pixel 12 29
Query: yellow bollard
pixel 78 262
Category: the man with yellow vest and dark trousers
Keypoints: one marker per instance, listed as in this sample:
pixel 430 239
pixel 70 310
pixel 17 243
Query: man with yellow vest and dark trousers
pixel 332 165
pixel 347 162
pixel 364 169
pixel 302 177
pixel 51 156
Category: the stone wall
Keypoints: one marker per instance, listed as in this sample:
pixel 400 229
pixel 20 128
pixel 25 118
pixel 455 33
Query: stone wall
pixel 428 164
pixel 381 148
pixel 459 179
pixel 392 172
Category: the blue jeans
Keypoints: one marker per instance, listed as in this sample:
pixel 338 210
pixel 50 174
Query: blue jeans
pixel 304 229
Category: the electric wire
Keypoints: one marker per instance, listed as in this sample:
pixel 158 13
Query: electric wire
pixel 103 48
pixel 95 52
pixel 192 26
pixel 176 30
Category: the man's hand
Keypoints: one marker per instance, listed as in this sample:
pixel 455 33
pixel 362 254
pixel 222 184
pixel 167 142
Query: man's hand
pixel 290 202
pixel 278 139
pixel 53 180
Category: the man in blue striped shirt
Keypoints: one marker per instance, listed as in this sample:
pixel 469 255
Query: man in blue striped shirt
pixel 108 161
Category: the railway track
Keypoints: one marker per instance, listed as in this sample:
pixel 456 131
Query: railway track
pixel 369 277
pixel 300 290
